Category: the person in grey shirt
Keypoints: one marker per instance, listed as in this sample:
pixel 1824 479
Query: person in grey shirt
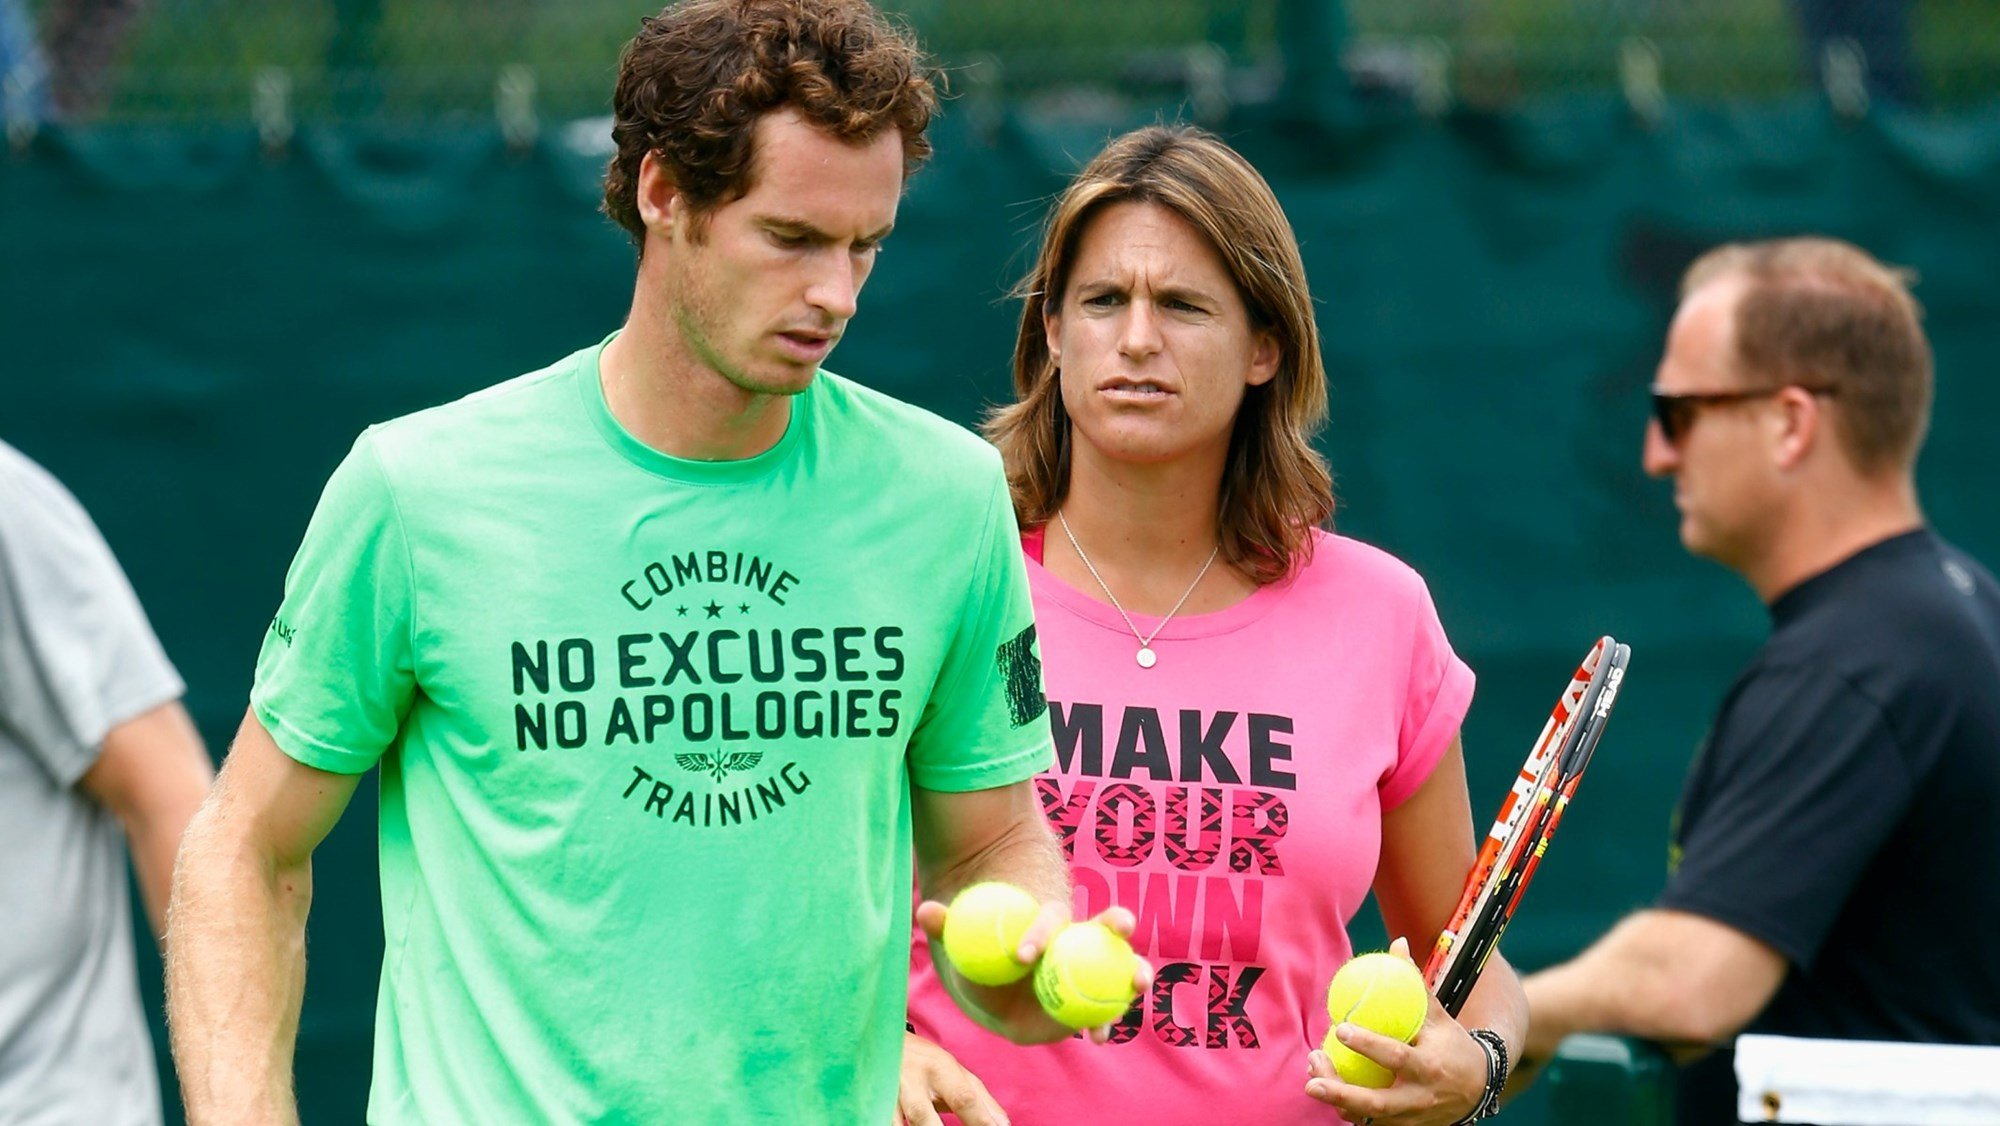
pixel 96 753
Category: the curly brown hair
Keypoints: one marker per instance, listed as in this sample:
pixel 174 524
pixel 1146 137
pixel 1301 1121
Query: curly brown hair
pixel 1276 487
pixel 695 80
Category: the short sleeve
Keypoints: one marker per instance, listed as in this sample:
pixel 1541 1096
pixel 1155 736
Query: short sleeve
pixel 77 656
pixel 1437 693
pixel 1800 765
pixel 985 724
pixel 336 674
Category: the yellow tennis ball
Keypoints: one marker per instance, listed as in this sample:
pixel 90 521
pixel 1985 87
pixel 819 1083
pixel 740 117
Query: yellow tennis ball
pixel 1382 993
pixel 983 929
pixel 1085 977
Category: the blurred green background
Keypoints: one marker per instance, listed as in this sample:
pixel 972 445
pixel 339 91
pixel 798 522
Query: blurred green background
pixel 267 225
pixel 186 60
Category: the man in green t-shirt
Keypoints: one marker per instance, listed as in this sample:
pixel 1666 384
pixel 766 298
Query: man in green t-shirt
pixel 672 654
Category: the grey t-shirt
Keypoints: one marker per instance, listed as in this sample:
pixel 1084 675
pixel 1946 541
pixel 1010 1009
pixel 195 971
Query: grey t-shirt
pixel 77 658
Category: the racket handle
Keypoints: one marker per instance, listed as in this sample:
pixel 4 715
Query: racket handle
pixel 1457 985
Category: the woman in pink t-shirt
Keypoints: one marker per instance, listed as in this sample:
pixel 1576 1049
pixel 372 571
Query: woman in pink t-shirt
pixel 1256 720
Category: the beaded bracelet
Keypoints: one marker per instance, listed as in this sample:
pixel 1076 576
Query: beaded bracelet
pixel 1496 1075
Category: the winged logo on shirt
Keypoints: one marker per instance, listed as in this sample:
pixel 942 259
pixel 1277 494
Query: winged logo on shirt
pixel 718 764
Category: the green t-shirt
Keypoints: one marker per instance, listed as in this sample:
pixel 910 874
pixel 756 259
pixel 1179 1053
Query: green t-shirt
pixel 647 730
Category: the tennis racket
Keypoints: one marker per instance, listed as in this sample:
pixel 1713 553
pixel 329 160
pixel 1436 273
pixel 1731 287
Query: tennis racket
pixel 1528 817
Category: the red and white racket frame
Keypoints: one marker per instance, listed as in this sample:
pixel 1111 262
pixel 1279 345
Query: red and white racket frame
pixel 1528 817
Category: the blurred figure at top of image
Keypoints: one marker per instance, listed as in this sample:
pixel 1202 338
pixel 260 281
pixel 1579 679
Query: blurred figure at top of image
pixel 1827 872
pixel 1878 29
pixel 70 73
pixel 98 759
pixel 23 70
pixel 1256 720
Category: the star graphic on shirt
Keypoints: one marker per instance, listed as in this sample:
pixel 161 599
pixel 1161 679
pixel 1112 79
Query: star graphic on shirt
pixel 744 608
pixel 714 609
pixel 680 611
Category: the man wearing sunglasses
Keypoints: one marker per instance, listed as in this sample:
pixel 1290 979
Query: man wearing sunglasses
pixel 1842 803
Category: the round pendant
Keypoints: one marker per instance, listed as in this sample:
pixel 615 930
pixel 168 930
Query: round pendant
pixel 1146 657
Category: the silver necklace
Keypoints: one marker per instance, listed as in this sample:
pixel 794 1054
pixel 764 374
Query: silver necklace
pixel 1146 657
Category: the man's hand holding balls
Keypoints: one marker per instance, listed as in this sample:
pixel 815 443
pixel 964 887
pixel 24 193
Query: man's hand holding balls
pixel 1010 952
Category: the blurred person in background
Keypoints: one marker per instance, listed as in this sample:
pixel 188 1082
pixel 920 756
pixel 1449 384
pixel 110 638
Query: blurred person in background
pixel 676 657
pixel 83 38
pixel 70 73
pixel 1879 29
pixel 97 758
pixel 1257 720
pixel 23 71
pixel 1828 867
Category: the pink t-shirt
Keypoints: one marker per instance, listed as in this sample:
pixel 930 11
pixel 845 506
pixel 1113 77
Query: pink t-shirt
pixel 1231 797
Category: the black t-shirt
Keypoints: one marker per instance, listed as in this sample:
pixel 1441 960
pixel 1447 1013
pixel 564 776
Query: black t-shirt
pixel 1846 808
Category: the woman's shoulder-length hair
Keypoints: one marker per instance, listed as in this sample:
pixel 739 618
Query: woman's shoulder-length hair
pixel 1276 488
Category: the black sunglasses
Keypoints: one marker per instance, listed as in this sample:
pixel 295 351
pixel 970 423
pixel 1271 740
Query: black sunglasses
pixel 1676 413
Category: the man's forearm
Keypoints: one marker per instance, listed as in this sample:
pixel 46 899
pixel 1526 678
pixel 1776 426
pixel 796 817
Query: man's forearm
pixel 154 842
pixel 1027 857
pixel 1564 1000
pixel 153 832
pixel 235 978
pixel 152 774
pixel 1665 976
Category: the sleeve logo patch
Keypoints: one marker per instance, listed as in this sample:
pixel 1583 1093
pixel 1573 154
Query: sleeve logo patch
pixel 1021 669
